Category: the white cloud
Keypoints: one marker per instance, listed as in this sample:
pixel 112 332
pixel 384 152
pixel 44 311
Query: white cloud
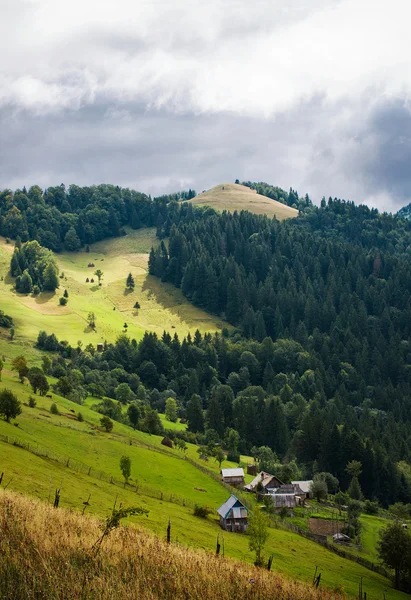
pixel 207 56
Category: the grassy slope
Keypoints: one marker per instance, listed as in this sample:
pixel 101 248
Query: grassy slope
pixel 47 553
pixel 294 556
pixel 240 197
pixel 162 306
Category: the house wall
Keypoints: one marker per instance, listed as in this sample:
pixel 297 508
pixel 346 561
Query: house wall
pixel 234 525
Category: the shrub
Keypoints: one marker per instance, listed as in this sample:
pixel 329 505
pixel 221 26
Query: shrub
pixel 202 511
pixel 36 290
pixel 371 508
pixel 80 417
pixel 137 305
pixel 167 442
pixel 63 301
pixel 32 402
pixel 106 423
pixel 233 457
pixel 53 409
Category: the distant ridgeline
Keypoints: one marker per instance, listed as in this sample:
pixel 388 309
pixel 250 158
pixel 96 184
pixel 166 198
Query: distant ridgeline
pixel 67 219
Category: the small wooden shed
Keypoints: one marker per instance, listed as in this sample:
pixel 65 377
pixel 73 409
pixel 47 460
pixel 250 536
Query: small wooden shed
pixel 233 515
pixel 233 476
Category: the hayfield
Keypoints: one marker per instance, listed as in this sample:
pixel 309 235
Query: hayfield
pixel 162 307
pixel 234 197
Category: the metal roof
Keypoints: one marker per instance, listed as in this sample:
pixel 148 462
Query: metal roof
pixel 232 472
pixel 232 504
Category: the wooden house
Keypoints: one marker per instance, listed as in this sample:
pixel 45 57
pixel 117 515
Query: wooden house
pixel 263 482
pixel 305 487
pixel 284 501
pixel 233 515
pixel 233 476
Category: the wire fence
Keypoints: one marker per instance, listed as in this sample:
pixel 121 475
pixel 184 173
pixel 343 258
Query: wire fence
pixel 84 469
pixel 152 492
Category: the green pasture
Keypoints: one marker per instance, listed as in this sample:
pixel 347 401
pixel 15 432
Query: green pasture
pixel 165 470
pixel 162 307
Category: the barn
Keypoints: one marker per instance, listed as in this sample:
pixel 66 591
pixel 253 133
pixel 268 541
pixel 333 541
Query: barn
pixel 233 515
pixel 233 476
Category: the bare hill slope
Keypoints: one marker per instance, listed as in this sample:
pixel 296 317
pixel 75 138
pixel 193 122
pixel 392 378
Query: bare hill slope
pixel 232 196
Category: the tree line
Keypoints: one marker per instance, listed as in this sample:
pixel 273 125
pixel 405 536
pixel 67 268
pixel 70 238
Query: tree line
pixel 247 395
pixel 67 219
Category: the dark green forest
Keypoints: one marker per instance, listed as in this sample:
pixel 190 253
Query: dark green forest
pixel 61 219
pixel 317 365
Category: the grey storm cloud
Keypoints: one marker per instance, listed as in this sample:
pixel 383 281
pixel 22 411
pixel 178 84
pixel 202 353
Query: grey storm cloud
pixel 162 96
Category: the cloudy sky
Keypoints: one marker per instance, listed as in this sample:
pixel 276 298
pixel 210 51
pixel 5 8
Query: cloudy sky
pixel 162 95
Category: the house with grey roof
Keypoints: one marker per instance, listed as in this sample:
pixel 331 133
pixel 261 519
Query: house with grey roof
pixel 233 476
pixel 233 515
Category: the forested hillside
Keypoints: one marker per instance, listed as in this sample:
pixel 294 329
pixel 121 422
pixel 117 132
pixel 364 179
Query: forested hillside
pixel 337 282
pixel 318 364
pixel 67 219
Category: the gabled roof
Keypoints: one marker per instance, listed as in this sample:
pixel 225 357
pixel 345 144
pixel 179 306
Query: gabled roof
pixel 263 478
pixel 304 485
pixel 232 504
pixel 232 472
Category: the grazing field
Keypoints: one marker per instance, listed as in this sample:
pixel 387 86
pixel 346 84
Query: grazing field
pixel 162 481
pixel 162 306
pixel 234 197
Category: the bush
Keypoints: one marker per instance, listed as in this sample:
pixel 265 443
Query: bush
pixel 32 402
pixel 167 442
pixel 36 290
pixel 63 301
pixel 371 508
pixel 80 417
pixel 137 305
pixel 233 457
pixel 202 511
pixel 53 409
pixel 106 423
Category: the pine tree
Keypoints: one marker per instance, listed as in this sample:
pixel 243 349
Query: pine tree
pixel 215 416
pixel 195 416
pixel 130 282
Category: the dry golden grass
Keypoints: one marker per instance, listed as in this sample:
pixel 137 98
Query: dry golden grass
pixel 46 553
pixel 232 196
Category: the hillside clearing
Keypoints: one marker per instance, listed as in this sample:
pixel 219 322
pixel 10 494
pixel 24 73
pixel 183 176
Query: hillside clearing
pixel 162 307
pixel 234 197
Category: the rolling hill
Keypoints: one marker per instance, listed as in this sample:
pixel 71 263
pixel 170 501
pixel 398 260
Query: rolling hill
pixel 161 305
pixel 48 451
pixel 234 197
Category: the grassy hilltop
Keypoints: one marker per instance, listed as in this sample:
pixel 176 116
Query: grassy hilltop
pixel 163 307
pixel 233 196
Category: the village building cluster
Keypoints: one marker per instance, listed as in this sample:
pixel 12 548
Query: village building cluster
pixel 234 515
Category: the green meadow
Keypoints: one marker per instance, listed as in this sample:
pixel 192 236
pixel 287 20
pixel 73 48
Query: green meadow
pixel 162 307
pixel 154 469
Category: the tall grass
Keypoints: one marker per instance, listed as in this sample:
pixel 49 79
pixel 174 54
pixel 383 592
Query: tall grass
pixel 46 553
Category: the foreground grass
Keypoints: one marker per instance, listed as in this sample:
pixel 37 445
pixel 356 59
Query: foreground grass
pixel 46 553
